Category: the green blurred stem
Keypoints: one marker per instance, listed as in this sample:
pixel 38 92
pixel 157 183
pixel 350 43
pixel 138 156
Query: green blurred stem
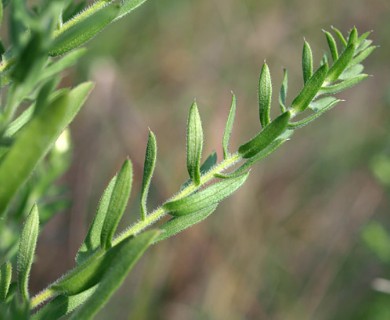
pixel 150 219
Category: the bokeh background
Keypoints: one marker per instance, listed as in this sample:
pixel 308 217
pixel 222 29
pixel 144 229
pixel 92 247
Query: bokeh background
pixel 307 236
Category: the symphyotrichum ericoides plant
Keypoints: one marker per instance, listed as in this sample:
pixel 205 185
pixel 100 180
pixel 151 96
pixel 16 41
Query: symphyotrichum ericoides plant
pixel 34 144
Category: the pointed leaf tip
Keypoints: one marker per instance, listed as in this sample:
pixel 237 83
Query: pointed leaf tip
pixel 27 245
pixel 265 95
pixel 229 126
pixel 118 202
pixel 149 166
pixel 194 143
pixel 307 61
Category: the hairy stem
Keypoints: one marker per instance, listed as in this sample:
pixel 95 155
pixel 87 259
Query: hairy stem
pixel 151 218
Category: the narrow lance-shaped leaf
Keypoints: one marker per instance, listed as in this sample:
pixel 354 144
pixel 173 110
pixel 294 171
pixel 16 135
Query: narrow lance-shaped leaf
pixel 36 138
pixel 62 305
pixel 309 91
pixel 351 71
pixel 204 198
pixel 87 274
pixel 346 84
pixel 65 62
pixel 149 165
pixel 5 280
pixel 340 36
pixel 339 66
pixel 229 126
pixel 194 143
pixel 353 37
pixel 265 137
pixel 332 45
pixel 361 46
pixel 307 62
pixel 127 6
pixel 362 55
pixel 129 252
pixel 83 27
pixel 179 224
pixel 265 96
pixel 25 258
pixel 319 104
pixel 118 202
pixel 281 139
pixel 324 59
pixel 92 240
pixel 283 91
pixel 312 117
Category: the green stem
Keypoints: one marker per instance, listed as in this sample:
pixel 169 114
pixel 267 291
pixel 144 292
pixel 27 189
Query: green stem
pixel 152 218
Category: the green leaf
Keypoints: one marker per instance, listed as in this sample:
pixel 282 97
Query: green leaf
pixel 341 64
pixel 85 275
pixel 307 62
pixel 204 198
pixel 194 143
pixel 341 86
pixel 228 128
pixel 209 163
pixel 19 122
pixel 19 310
pixel 363 38
pixel 339 34
pixel 62 305
pixel 265 137
pixel 363 45
pixel 83 27
pixel 362 55
pixel 351 72
pixel 149 165
pixel 285 136
pixel 5 280
pixel 283 91
pixel 118 202
pixel 332 45
pixel 265 95
pixel 319 104
pixel 206 166
pixel 35 140
pixel 129 252
pixel 30 59
pixel 127 6
pixel 178 224
pixel 65 62
pixel 92 240
pixel 307 120
pixel 26 251
pixel 353 37
pixel 309 91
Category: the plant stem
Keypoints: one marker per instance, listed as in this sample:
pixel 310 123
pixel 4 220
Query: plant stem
pixel 160 212
pixel 151 218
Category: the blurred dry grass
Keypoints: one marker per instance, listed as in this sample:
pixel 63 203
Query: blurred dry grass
pixel 287 245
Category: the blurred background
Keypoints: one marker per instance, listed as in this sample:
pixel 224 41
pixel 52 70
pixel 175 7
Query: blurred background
pixel 308 236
